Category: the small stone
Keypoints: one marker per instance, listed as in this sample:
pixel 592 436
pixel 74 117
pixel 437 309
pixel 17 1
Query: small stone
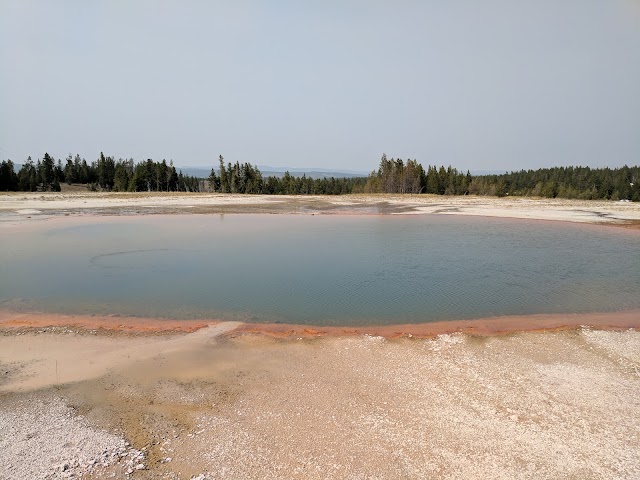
pixel 140 466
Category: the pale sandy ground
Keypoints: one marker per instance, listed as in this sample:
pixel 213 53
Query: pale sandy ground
pixel 528 405
pixel 217 403
pixel 17 207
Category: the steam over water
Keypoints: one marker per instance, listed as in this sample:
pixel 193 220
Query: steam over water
pixel 323 270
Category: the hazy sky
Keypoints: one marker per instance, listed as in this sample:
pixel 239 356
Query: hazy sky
pixel 480 85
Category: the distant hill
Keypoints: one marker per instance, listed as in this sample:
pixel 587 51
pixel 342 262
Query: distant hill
pixel 279 172
pixel 315 173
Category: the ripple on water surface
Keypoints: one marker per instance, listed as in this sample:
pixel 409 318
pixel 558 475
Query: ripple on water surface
pixel 324 270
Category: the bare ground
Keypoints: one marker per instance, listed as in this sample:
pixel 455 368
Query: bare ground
pixel 20 207
pixel 526 405
pixel 219 403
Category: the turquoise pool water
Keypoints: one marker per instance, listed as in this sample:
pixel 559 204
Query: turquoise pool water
pixel 322 270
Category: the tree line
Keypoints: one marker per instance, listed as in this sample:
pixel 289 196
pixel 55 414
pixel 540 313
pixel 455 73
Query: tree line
pixel 396 176
pixel 247 178
pixel 105 173
pixel 392 176
pixel 564 182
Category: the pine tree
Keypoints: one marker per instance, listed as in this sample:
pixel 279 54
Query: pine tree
pixel 214 181
pixel 224 180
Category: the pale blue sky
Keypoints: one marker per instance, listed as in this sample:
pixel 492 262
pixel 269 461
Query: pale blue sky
pixel 480 85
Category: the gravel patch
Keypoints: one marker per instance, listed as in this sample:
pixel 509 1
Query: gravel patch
pixel 41 437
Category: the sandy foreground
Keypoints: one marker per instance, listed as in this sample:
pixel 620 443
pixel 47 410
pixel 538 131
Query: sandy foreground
pixel 212 404
pixel 555 396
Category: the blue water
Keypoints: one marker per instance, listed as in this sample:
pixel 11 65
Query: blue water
pixel 322 270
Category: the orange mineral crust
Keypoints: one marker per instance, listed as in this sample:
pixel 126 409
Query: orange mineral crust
pixel 111 323
pixel 483 327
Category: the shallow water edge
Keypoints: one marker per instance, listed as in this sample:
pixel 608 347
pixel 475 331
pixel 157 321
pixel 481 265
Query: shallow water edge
pixel 11 321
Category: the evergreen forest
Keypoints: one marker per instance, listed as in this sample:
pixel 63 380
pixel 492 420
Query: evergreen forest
pixel 392 176
pixel 104 174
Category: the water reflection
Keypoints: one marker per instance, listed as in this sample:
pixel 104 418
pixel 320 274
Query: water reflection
pixel 319 269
